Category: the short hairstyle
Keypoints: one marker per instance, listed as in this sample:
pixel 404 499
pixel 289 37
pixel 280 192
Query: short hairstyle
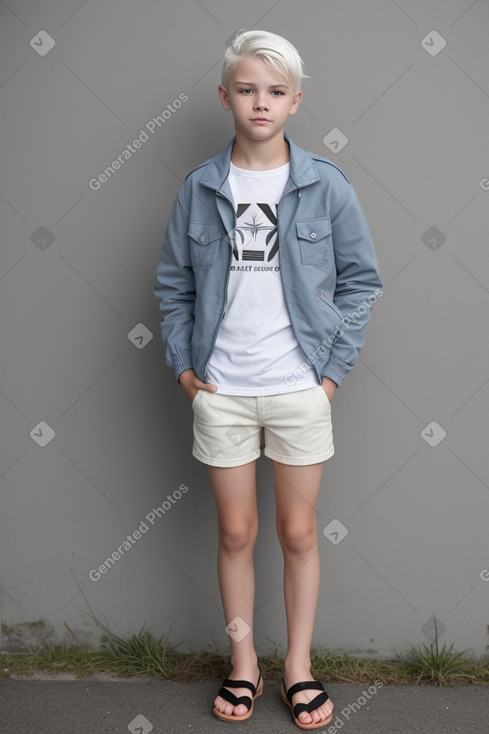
pixel 276 52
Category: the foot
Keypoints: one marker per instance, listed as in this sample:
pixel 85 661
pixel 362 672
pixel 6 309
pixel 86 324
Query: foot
pixel 249 673
pixel 323 713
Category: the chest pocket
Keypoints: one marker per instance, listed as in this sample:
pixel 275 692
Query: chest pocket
pixel 204 243
pixel 315 240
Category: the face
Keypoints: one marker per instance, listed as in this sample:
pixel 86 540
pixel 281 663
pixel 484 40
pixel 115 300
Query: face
pixel 259 100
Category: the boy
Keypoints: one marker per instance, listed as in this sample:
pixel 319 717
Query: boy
pixel 265 281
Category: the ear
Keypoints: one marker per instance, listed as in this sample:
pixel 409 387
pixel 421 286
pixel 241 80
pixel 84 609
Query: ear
pixel 295 104
pixel 223 97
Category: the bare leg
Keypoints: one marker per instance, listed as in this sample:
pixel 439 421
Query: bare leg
pixel 296 489
pixel 235 494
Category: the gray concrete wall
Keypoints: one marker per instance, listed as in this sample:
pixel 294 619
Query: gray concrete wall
pixel 95 432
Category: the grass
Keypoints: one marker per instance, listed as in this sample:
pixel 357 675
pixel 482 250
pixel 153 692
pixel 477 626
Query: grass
pixel 144 655
pixel 444 666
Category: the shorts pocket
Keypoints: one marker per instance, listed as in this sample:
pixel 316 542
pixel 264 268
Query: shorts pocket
pixel 196 398
pixel 315 240
pixel 324 396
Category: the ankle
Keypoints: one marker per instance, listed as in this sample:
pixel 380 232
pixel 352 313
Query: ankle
pixel 294 667
pixel 244 661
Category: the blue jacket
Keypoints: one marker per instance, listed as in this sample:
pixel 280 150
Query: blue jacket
pixel 328 265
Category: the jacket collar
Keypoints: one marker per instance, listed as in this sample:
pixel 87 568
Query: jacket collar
pixel 302 171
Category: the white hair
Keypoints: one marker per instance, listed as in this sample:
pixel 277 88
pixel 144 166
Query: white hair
pixel 276 52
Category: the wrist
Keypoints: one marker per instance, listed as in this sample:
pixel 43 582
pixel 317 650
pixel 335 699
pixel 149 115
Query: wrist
pixel 329 387
pixel 184 374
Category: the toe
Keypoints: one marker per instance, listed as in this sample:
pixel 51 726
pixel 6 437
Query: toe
pixel 305 718
pixel 240 710
pixel 316 716
pixel 227 708
pixel 223 706
pixel 325 710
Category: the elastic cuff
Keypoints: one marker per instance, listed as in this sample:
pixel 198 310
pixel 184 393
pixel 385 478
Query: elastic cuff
pixel 335 370
pixel 180 361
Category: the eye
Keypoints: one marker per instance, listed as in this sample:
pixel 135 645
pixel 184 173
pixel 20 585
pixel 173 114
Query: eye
pixel 278 93
pixel 245 91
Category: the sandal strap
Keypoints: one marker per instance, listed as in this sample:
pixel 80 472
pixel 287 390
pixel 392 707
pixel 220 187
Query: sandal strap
pixel 231 698
pixel 312 705
pixel 228 683
pixel 315 685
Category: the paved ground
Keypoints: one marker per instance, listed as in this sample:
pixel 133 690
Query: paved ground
pixel 104 706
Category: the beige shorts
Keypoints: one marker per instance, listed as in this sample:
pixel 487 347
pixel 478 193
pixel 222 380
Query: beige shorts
pixel 297 427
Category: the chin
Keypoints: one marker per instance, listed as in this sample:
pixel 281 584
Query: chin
pixel 259 133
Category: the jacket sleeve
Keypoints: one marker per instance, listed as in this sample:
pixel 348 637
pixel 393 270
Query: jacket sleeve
pixel 175 289
pixel 358 285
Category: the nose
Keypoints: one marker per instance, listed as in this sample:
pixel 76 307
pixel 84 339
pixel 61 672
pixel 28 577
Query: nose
pixel 261 101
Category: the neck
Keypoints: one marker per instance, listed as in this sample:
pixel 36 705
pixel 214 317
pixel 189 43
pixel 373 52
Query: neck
pixel 260 155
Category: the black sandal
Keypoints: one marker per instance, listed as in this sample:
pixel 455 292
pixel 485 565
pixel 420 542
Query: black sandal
pixel 311 706
pixel 231 698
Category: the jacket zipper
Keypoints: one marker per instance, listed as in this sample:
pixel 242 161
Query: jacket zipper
pixel 223 307
pixel 285 296
pixel 329 303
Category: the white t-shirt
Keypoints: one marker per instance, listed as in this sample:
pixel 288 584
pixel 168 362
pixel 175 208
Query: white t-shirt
pixel 256 351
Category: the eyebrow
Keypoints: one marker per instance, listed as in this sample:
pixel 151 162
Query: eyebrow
pixel 252 84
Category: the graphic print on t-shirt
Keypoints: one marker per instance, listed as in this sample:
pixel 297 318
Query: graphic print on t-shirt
pixel 255 345
pixel 256 234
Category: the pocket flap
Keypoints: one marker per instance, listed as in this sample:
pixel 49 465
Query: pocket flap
pixel 313 230
pixel 204 234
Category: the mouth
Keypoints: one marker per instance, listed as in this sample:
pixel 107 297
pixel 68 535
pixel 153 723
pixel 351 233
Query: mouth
pixel 260 119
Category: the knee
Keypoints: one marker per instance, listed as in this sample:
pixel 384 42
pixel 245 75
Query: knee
pixel 298 538
pixel 238 535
